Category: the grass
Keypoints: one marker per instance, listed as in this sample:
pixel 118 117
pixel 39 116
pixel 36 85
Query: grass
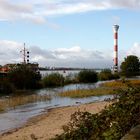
pixel 87 92
pixel 14 101
pixel 108 88
pixel 121 83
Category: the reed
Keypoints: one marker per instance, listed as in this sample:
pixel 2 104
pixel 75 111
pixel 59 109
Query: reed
pixel 105 89
pixel 121 83
pixel 14 101
pixel 87 92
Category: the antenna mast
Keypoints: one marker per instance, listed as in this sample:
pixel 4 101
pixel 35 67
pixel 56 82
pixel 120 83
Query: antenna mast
pixel 25 53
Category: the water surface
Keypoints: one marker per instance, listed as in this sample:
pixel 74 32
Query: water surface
pixel 14 118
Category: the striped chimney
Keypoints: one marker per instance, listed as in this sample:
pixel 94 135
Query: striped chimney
pixel 115 29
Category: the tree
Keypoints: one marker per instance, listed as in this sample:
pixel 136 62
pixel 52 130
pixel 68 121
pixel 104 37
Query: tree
pixel 130 66
pixel 23 77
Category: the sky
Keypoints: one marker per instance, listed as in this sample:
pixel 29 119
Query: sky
pixel 68 33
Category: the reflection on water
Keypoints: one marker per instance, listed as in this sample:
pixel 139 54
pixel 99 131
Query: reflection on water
pixel 15 118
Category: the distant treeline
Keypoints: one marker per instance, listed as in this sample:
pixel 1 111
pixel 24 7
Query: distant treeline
pixel 66 68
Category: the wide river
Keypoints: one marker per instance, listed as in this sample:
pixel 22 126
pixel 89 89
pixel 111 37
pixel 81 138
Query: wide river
pixel 17 117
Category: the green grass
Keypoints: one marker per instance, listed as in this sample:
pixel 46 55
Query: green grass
pixel 14 101
pixel 87 92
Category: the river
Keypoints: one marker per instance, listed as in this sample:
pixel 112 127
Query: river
pixel 17 117
pixel 63 72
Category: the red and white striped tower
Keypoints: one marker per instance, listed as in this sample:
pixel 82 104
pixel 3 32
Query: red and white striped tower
pixel 115 28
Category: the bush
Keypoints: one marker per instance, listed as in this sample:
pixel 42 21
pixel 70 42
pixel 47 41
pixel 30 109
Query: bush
pixel 106 74
pixel 6 87
pixel 71 79
pixel 52 80
pixel 24 77
pixel 110 124
pixel 87 76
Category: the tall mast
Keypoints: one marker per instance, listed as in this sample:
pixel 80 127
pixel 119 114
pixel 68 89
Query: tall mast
pixel 25 55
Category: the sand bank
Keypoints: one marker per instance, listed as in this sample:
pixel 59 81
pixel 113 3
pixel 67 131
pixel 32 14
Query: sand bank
pixel 49 124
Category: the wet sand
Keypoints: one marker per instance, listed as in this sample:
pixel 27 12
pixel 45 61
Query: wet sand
pixel 49 124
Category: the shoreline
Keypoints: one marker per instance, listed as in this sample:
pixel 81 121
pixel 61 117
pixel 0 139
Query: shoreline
pixel 50 122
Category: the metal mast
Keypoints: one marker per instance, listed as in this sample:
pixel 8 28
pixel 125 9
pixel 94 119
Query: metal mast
pixel 25 54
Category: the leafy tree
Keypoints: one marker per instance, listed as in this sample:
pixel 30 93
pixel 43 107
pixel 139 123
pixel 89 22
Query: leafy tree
pixel 23 77
pixel 130 66
pixel 87 76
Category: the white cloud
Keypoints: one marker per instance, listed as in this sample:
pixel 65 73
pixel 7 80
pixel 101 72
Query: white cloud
pixel 38 10
pixel 12 11
pixel 134 50
pixel 66 57
pixel 9 51
pixel 74 49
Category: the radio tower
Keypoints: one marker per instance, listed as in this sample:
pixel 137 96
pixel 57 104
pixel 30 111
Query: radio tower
pixel 25 54
pixel 115 29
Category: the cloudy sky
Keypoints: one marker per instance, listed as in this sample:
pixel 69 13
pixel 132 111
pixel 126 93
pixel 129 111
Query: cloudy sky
pixel 68 33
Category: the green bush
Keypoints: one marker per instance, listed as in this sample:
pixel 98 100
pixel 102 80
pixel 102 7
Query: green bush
pixel 110 124
pixel 53 79
pixel 24 77
pixel 87 76
pixel 106 74
pixel 6 87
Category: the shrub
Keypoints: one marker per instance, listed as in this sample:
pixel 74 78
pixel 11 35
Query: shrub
pixel 6 87
pixel 110 124
pixel 87 76
pixel 71 79
pixel 24 77
pixel 53 79
pixel 106 74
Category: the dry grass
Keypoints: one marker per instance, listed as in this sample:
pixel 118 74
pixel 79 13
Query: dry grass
pixel 13 101
pixel 87 92
pixel 105 89
pixel 122 83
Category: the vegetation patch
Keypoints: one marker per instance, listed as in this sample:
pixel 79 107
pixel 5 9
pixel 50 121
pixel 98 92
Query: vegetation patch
pixel 80 93
pixel 53 80
pixel 108 88
pixel 110 124
pixel 23 77
pixel 130 66
pixel 14 101
pixel 121 83
pixel 106 74
pixel 87 76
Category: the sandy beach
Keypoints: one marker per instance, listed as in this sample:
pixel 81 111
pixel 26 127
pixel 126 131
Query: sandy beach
pixel 49 124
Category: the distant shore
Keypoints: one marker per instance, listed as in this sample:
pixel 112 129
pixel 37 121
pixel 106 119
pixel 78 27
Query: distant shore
pixel 49 124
